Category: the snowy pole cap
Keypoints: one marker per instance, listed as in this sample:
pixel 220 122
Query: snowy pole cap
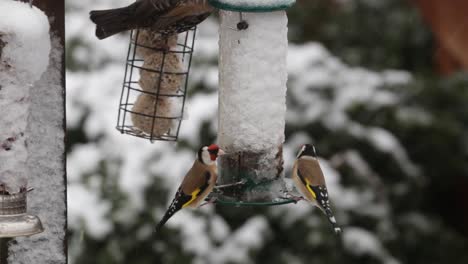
pixel 252 5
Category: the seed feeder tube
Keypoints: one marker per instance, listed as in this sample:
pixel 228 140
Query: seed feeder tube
pixel 252 101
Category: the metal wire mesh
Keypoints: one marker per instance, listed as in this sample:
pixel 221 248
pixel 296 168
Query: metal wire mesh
pixel 155 85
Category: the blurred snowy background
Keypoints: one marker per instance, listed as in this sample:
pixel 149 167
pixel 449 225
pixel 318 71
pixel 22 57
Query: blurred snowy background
pixel 391 133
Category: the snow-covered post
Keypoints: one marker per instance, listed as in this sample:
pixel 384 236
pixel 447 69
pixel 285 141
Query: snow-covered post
pixel 252 96
pixel 24 57
pixel 32 129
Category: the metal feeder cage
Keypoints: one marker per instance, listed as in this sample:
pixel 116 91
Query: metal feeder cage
pixel 14 221
pixel 155 84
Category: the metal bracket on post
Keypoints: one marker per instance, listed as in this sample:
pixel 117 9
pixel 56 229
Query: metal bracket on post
pixel 14 221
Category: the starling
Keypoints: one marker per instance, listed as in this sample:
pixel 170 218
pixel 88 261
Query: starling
pixel 166 17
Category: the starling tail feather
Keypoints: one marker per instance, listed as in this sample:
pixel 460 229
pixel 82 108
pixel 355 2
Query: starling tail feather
pixel 111 22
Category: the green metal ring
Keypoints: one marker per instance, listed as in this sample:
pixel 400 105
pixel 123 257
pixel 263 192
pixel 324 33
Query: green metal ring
pixel 242 204
pixel 257 9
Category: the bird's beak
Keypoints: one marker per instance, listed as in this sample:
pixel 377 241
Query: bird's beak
pixel 221 152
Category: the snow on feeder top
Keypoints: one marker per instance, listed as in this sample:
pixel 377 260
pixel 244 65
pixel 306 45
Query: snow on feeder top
pixel 252 5
pixel 252 100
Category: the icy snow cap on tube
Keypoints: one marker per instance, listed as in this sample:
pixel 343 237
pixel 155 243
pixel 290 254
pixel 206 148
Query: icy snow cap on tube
pixel 252 5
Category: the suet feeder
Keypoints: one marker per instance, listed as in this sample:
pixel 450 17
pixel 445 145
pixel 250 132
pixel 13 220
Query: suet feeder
pixel 252 101
pixel 14 220
pixel 155 84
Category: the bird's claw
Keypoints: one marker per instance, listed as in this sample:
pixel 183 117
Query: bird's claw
pixel 242 182
pixel 212 200
pixel 289 196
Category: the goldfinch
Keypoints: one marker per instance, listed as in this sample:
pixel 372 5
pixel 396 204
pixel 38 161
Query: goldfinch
pixel 310 181
pixel 197 184
pixel 166 17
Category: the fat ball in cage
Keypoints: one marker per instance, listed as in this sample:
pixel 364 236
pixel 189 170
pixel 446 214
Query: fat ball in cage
pixel 155 84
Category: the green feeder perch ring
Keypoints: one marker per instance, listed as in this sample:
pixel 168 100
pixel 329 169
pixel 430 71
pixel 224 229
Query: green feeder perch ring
pixel 246 184
pixel 278 201
pixel 252 5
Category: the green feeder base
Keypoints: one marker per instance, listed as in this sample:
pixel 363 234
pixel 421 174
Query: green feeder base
pixel 229 201
pixel 229 194
pixel 252 5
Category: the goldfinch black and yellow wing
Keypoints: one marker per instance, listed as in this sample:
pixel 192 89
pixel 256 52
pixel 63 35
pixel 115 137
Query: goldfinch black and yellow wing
pixel 184 199
pixel 177 203
pixel 313 181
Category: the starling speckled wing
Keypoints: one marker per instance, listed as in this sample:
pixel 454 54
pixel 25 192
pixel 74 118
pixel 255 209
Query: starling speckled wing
pixel 161 16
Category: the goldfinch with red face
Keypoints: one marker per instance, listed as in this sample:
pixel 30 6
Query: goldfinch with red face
pixel 197 184
pixel 310 181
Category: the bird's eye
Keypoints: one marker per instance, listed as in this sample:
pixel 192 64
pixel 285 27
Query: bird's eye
pixel 213 151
